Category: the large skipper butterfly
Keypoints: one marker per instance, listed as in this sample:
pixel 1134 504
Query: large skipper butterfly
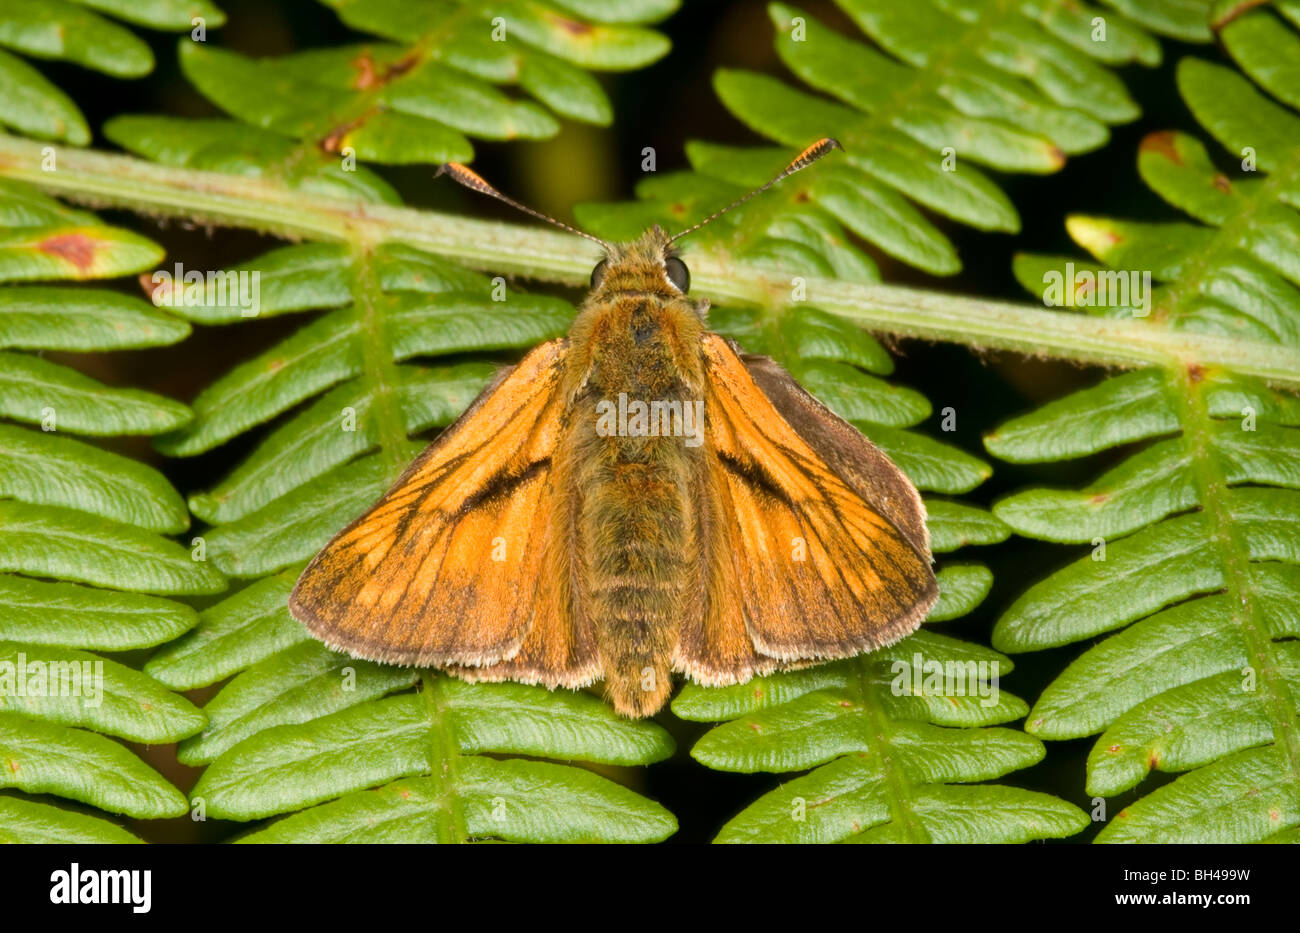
pixel 635 499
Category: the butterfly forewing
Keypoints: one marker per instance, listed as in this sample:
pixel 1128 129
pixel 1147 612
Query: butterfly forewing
pixel 446 567
pixel 821 572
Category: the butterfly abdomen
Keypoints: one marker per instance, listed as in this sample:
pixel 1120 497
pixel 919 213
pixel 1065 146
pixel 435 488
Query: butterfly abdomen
pixel 634 527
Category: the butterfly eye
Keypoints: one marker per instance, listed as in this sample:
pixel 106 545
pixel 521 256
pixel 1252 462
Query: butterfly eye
pixel 678 274
pixel 598 273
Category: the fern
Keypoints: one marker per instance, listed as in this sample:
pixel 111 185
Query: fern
pixel 303 744
pixel 886 757
pixel 951 87
pixel 300 723
pixel 1202 580
pixel 69 30
pixel 427 81
pixel 83 550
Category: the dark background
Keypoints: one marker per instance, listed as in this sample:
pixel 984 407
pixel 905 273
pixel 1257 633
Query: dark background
pixel 664 106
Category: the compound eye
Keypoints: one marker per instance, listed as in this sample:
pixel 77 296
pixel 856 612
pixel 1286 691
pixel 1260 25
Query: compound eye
pixel 598 273
pixel 678 274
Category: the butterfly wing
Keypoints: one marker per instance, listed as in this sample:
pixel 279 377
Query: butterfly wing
pixel 821 537
pixel 455 564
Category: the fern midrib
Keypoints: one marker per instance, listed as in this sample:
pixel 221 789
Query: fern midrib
pixel 1212 489
pixel 898 787
pixel 211 197
pixel 379 372
pixel 444 755
pixel 1227 237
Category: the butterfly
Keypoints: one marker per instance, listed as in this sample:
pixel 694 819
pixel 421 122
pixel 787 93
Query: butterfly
pixel 637 499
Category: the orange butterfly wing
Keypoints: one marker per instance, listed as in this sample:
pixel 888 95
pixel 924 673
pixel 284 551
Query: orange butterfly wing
pixel 816 569
pixel 457 564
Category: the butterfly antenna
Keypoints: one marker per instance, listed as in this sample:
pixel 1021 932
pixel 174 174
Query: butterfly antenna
pixel 802 160
pixel 475 182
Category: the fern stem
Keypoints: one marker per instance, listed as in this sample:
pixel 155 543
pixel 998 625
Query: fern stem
pixel 102 179
pixel 379 371
pixel 897 786
pixel 1213 492
pixel 443 756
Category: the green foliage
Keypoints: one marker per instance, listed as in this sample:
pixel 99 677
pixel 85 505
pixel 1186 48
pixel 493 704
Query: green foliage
pixel 1015 88
pixel 70 30
pixel 1191 616
pixel 300 724
pixel 1195 551
pixel 888 749
pixel 428 79
pixel 71 514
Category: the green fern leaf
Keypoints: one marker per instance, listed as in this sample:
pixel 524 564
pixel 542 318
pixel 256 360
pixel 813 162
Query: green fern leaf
pixel 68 30
pixel 444 729
pixel 75 514
pixel 1021 110
pixel 1194 563
pixel 419 95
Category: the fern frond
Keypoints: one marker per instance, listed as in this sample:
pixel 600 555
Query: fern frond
pixel 70 30
pixel 357 402
pixel 81 537
pixel 886 758
pixel 1196 537
pixel 426 80
pixel 939 88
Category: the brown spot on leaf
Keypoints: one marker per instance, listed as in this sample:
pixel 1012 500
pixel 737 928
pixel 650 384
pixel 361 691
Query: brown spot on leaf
pixel 334 141
pixel 1195 372
pixel 155 293
pixel 370 76
pixel 1113 749
pixel 76 248
pixel 1161 143
pixel 366 76
pixel 1222 182
pixel 1099 498
pixel 572 26
pixel 401 66
pixel 756 727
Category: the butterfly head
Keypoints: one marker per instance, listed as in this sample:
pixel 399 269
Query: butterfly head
pixel 646 266
pixel 649 265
